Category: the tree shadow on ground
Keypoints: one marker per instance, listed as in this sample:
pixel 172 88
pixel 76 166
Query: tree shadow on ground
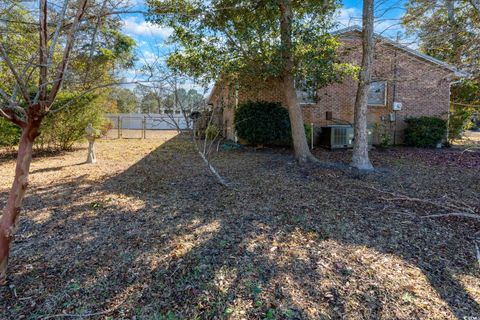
pixel 163 238
pixel 52 169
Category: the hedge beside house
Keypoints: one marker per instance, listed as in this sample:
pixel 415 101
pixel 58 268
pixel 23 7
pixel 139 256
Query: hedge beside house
pixel 262 122
pixel 425 132
pixel 265 123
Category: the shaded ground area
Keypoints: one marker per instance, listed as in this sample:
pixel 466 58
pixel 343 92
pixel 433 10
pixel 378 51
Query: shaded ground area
pixel 147 233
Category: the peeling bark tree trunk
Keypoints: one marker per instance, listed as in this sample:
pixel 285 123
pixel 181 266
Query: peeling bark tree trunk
pixel 8 221
pixel 360 159
pixel 34 114
pixel 300 145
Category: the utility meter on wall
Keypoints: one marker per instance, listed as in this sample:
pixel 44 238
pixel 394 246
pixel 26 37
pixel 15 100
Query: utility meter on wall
pixel 397 106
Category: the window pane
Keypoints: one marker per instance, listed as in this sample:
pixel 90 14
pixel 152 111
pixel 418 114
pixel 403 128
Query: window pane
pixel 377 93
pixel 305 93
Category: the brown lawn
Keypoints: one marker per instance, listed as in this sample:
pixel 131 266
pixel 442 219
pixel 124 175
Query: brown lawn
pixel 147 233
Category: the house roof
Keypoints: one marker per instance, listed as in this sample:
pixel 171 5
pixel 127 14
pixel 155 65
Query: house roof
pixel 358 29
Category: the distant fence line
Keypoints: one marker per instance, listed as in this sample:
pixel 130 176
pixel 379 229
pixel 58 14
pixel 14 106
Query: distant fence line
pixel 135 125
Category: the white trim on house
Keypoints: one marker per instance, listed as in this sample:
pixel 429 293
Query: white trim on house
pixel 456 71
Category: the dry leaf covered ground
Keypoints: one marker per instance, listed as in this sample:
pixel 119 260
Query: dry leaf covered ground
pixel 148 234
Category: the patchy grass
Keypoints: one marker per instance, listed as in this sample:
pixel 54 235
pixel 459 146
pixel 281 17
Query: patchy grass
pixel 148 233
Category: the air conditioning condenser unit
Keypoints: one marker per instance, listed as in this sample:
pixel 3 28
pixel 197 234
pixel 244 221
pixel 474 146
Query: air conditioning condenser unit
pixel 337 137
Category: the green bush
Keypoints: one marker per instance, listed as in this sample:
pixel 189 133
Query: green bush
pixel 212 132
pixel 308 132
pixel 267 123
pixel 60 130
pixel 9 133
pixel 460 120
pixel 262 123
pixel 382 134
pixel 425 131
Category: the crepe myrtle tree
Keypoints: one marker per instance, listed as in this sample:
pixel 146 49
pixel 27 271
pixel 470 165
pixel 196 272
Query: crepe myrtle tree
pixel 244 41
pixel 32 79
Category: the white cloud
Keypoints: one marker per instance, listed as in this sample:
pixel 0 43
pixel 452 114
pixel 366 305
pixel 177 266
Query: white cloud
pixel 133 26
pixel 149 57
pixel 346 17
pixel 136 2
pixel 387 26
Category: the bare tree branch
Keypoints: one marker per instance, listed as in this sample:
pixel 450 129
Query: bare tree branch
pixel 57 31
pixel 20 84
pixel 9 114
pixel 454 214
pixel 94 39
pixel 43 55
pixel 68 48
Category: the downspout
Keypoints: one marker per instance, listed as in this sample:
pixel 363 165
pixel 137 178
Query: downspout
pixel 450 104
pixel 395 77
pixel 236 105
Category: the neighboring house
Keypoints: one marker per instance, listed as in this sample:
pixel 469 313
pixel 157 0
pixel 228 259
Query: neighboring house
pixel 416 84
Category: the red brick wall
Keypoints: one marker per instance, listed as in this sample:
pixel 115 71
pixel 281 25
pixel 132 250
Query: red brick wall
pixel 225 97
pixel 422 88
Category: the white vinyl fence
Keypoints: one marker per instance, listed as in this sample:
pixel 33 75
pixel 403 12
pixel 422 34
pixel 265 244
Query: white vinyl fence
pixel 136 125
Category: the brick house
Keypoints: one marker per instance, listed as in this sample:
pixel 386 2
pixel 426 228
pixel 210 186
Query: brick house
pixel 416 84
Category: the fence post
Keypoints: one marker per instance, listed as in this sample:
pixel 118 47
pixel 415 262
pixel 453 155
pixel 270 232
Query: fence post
pixel 144 125
pixel 119 123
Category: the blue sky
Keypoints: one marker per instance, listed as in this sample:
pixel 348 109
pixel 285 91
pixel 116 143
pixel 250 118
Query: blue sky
pixel 388 13
pixel 146 34
pixel 151 38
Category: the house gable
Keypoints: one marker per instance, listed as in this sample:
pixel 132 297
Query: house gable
pixel 356 31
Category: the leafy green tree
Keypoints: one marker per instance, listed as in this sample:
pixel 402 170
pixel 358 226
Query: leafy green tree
pixel 247 41
pixel 17 38
pixel 448 30
pixel 181 99
pixel 150 102
pixel 155 99
pixel 101 50
pixel 125 99
pixel 60 130
pixel 99 63
pixel 445 30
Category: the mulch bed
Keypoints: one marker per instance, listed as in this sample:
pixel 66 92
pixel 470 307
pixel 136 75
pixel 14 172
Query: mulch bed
pixel 149 234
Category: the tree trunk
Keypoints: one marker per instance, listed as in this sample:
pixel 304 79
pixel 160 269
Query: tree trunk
pixel 8 221
pixel 300 145
pixel 360 159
